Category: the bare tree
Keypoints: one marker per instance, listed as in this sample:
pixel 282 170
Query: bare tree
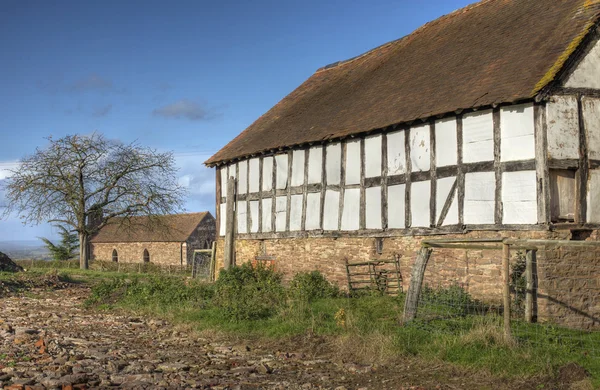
pixel 85 181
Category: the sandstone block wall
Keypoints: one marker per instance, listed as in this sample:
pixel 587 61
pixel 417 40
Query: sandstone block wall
pixel 133 252
pixel 568 279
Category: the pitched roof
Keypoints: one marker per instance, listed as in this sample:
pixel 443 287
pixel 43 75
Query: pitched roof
pixel 166 228
pixel 491 52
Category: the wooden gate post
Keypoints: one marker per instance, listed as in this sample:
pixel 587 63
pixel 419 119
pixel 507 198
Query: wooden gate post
pixel 416 281
pixel 229 224
pixel 506 288
pixel 530 259
pixel 213 260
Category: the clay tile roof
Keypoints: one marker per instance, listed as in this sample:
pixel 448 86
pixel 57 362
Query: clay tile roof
pixel 494 51
pixel 166 228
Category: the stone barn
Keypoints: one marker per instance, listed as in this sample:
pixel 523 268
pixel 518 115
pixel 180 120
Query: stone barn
pixel 164 240
pixel 482 123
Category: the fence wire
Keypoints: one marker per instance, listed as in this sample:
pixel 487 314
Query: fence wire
pixel 462 294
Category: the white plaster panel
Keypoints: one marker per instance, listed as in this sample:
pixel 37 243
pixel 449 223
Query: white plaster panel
pixel 516 133
pixel 420 148
pixel 267 179
pixel 373 208
pixel 562 127
pixel 396 153
pixel 296 212
pixel 353 162
pixel 281 180
pixel 232 170
pixel 331 212
pixel 254 175
pixel 397 206
pixel 223 172
pixel 242 217
pixel 420 193
pixel 298 168
pixel 333 165
pixel 373 156
pixel 243 179
pixel 223 218
pixel 445 142
pixel 267 212
pixel 315 164
pixel 253 216
pixel 591 117
pixel 280 213
pixel 587 73
pixel 351 210
pixel 313 212
pixel 478 136
pixel 442 192
pixel 593 196
pixel 480 198
pixel 519 197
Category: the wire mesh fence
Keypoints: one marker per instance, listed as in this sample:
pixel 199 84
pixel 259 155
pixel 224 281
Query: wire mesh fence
pixel 554 295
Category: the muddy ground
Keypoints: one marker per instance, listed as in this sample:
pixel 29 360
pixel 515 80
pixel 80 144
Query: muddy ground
pixel 49 340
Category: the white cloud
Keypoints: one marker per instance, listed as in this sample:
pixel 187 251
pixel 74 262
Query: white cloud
pixel 185 109
pixel 5 168
pixel 198 180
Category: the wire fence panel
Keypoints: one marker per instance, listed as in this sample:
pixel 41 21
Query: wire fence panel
pixel 565 295
pixel 557 306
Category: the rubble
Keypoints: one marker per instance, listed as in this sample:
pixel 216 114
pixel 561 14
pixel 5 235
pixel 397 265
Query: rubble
pixel 49 340
pixel 7 265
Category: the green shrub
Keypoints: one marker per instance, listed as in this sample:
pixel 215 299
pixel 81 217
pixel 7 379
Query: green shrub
pixel 248 292
pixel 451 300
pixel 309 286
pixel 153 290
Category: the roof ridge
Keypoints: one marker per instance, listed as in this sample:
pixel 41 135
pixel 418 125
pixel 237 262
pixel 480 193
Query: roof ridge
pixel 418 30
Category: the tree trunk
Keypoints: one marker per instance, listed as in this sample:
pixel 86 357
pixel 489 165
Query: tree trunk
pixel 83 251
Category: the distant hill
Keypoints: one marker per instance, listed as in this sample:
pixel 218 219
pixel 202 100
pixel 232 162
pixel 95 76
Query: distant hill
pixel 25 249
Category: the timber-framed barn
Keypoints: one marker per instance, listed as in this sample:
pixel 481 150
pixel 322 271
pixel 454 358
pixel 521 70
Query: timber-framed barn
pixel 482 123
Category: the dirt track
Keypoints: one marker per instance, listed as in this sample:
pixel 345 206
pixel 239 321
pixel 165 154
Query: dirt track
pixel 48 340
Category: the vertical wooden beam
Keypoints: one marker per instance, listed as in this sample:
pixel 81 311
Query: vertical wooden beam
pixel 260 189
pixel 248 210
pixel 228 259
pixel 384 185
pixel 460 174
pixel 530 257
pixel 362 200
pixel 273 195
pixel 213 261
pixel 407 208
pixel 583 171
pixel 323 186
pixel 497 167
pixel 342 183
pixel 433 174
pixel 506 289
pixel 416 282
pixel 288 205
pixel 305 189
pixel 541 164
pixel 218 201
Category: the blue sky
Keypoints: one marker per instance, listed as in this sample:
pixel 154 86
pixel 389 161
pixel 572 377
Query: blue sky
pixel 184 76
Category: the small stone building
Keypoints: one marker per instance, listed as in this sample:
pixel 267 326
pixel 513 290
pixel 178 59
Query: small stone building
pixel 165 240
pixel 483 123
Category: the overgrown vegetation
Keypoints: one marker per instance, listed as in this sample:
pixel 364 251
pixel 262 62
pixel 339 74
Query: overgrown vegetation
pixel 253 302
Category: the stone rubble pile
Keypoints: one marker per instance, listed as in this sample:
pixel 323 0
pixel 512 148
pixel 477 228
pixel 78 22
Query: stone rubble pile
pixel 51 342
pixel 7 265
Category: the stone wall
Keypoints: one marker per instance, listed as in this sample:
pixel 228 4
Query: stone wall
pixel 133 252
pixel 569 279
pixel 569 285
